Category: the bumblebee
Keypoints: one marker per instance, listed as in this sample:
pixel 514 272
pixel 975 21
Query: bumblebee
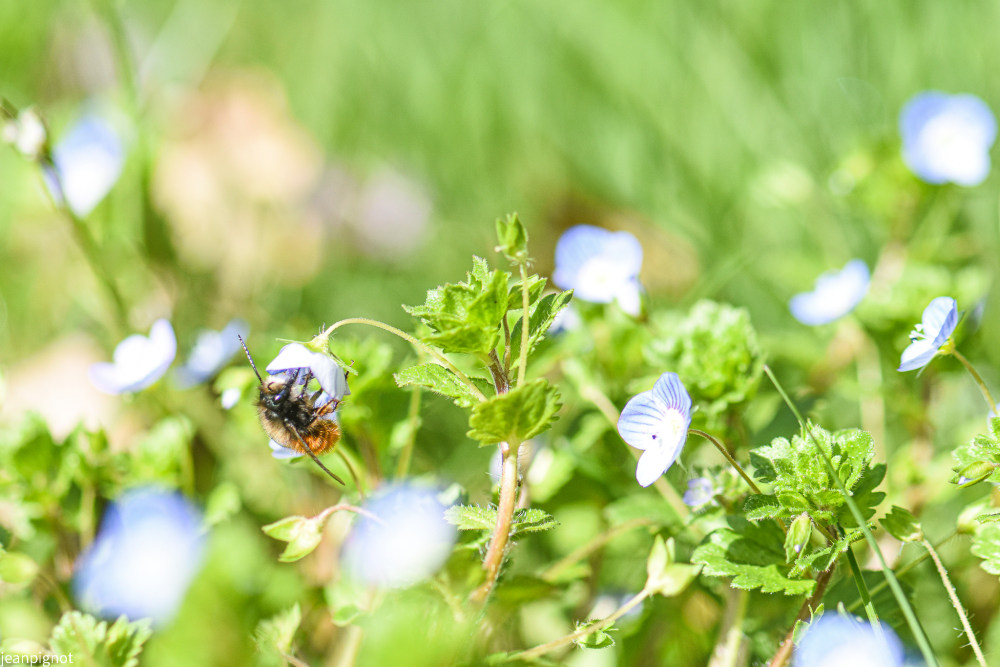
pixel 294 417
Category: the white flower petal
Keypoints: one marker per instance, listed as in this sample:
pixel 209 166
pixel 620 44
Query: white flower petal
pixel 917 355
pixel 282 452
pixel 641 420
pixel 652 464
pixel 939 319
pixel 332 378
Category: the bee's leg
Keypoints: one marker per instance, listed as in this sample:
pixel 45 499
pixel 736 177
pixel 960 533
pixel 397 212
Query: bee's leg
pixel 312 455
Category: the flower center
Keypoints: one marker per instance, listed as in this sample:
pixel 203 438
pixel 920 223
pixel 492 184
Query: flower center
pixel 672 428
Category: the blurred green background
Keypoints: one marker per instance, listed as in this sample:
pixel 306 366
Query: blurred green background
pixel 296 163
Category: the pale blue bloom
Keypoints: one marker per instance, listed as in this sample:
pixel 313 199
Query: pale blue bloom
pixel 88 161
pixel 699 492
pixel 600 266
pixel 230 397
pixel 835 294
pixel 833 640
pixel 149 548
pixel 212 351
pixel 657 421
pixel 947 138
pixel 295 356
pixel 279 451
pixel 408 543
pixel 139 361
pixel 937 324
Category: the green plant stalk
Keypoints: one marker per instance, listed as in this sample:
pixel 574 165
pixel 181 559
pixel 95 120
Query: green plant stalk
pixel 955 602
pixel 578 554
pixel 911 618
pixel 879 587
pixel 583 631
pixel 727 649
pixel 975 376
pixel 866 597
pixel 522 363
pixel 805 611
pixel 420 345
pixel 412 422
pixel 729 457
pixel 505 514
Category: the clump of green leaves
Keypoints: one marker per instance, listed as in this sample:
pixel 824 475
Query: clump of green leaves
pixel 979 459
pixel 116 645
pixel 714 350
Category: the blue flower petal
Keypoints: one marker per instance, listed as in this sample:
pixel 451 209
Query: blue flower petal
pixel 835 294
pixel 671 392
pixel 917 355
pixel 947 138
pixel 940 319
pixel 653 463
pixel 841 641
pixel 138 361
pixel 601 266
pixel 282 452
pixel 657 421
pixel 699 492
pixel 640 420
pixel 88 160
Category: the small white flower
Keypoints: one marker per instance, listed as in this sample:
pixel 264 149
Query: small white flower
pixel 211 352
pixel 833 640
pixel 657 421
pixel 836 294
pixel 149 548
pixel 26 133
pixel 229 397
pixel 87 163
pixel 937 324
pixel 600 266
pixel 409 543
pixel 139 361
pixel 331 377
pixel 947 138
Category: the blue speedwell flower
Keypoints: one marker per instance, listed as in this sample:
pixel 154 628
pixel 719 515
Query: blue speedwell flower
pixel 408 543
pixel 331 377
pixel 149 548
pixel 947 138
pixel 600 266
pixel 87 162
pixel 833 640
pixel 211 352
pixel 657 421
pixel 139 361
pixel 700 492
pixel 937 324
pixel 836 294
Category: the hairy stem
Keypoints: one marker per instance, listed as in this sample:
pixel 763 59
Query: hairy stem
pixel 955 602
pixel 805 611
pixel 416 343
pixel 412 424
pixel 505 515
pixel 525 325
pixel 729 457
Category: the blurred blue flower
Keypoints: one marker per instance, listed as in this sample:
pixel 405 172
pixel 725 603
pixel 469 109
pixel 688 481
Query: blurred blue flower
pixel 699 492
pixel 409 542
pixel 230 397
pixel 88 161
pixel 947 138
pixel 937 324
pixel 149 548
pixel 211 352
pixel 833 640
pixel 835 294
pixel 657 421
pixel 600 266
pixel 139 361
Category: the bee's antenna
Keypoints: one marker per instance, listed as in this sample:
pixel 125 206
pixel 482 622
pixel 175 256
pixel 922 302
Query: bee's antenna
pixel 252 364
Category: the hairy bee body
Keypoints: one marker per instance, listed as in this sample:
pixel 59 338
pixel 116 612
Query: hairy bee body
pixel 288 412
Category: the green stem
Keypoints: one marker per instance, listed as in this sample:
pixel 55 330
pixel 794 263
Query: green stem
pixel 879 587
pixel 416 343
pixel 525 324
pixel 729 457
pixel 412 424
pixel 897 590
pixel 582 632
pixel 955 602
pixel 859 581
pixel 978 378
pixel 727 650
pixel 805 611
pixel 505 515
pixel 590 547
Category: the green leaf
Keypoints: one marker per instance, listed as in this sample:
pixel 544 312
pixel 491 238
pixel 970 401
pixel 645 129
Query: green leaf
pixel 761 506
pixel 465 317
pixel 752 555
pixel 902 525
pixel 439 380
pixel 663 575
pixel 596 640
pixel 223 502
pixel 471 517
pixel 542 318
pixel 516 416
pixel 657 561
pixel 801 482
pixel 302 534
pixel 276 634
pixel 983 450
pixel 118 645
pixel 515 300
pixel 986 545
pixel 531 520
pixel 512 238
